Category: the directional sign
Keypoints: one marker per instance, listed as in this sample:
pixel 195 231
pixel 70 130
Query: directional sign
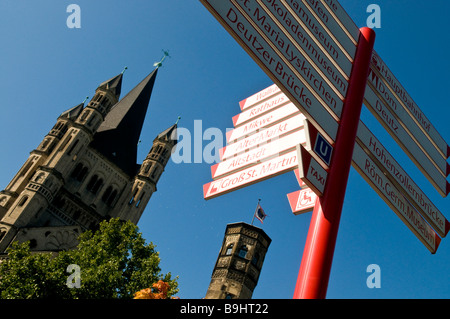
pixel 317 145
pixel 306 32
pixel 311 172
pixel 261 122
pixel 348 26
pixel 389 99
pixel 379 67
pixel 315 79
pixel 259 109
pixel 398 203
pixel 395 173
pixel 272 60
pixel 404 140
pixel 302 201
pixel 251 175
pixel 259 97
pixel 296 59
pixel 264 135
pixel 258 154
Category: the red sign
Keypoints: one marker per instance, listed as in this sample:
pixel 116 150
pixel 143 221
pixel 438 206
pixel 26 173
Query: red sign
pixel 302 201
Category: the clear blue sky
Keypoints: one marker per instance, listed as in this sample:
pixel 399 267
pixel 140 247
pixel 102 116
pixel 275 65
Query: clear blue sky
pixel 47 68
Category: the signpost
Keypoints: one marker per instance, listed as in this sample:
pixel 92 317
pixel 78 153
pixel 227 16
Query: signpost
pixel 263 135
pixel 318 59
pixel 251 175
pixel 256 42
pixel 393 197
pixel 258 154
pixel 406 142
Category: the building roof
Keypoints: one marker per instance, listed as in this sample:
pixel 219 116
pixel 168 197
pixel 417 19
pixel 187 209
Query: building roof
pixel 118 135
pixel 73 112
pixel 114 85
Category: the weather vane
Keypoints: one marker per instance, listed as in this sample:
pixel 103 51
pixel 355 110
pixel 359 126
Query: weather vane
pixel 166 54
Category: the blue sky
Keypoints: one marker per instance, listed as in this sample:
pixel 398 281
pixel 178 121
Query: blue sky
pixel 47 68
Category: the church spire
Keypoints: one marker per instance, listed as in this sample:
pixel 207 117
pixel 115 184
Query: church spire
pixel 118 135
pixel 114 85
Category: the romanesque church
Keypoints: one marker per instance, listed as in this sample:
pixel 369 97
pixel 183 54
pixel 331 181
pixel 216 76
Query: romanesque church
pixel 85 170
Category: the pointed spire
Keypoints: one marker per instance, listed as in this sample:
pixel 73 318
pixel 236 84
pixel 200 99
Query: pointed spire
pixel 170 134
pixel 114 84
pixel 73 112
pixel 118 136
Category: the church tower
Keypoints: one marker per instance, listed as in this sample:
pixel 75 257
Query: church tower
pixel 85 170
pixel 239 264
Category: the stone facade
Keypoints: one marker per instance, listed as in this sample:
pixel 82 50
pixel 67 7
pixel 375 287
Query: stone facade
pixel 85 171
pixel 239 264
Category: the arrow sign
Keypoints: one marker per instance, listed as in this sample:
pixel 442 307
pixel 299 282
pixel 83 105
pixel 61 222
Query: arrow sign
pixel 251 175
pixel 311 172
pixel 317 144
pixel 257 43
pixel 259 97
pixel 394 198
pixel 302 201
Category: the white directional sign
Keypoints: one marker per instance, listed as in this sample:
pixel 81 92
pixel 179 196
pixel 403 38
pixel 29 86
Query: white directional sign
pixel 270 57
pixel 311 172
pixel 259 97
pixel 402 180
pixel 302 201
pixel 314 79
pixel 306 32
pixel 264 135
pixel 391 100
pixel 404 140
pixel 259 109
pixel 398 203
pixel 251 175
pixel 409 105
pixel 262 122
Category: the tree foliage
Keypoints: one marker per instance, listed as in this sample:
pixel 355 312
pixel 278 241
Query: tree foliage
pixel 114 262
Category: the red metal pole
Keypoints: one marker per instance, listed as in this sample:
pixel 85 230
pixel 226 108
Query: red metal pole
pixel 312 282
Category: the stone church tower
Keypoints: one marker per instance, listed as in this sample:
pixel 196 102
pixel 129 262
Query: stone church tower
pixel 85 170
pixel 239 264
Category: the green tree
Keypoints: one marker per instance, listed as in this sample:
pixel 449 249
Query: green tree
pixel 114 262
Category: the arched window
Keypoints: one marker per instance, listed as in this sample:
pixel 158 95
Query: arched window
pixel 243 251
pixel 134 195
pixel 140 199
pixel 109 195
pixel 94 184
pixel 229 249
pixel 79 172
pixel 72 147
